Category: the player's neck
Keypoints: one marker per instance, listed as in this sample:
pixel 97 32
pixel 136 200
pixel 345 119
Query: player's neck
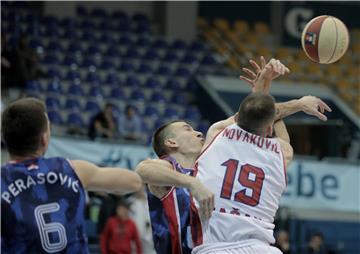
pixel 25 157
pixel 185 160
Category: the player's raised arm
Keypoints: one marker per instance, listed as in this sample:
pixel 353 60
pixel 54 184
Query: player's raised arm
pixel 284 138
pixel 157 173
pixel 114 180
pixel 310 105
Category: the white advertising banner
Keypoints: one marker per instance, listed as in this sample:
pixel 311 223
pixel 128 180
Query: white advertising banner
pixel 311 185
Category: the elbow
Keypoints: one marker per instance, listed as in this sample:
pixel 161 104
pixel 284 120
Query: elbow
pixel 136 183
pixel 141 170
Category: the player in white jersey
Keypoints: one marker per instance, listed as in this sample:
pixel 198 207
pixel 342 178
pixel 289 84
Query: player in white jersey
pixel 246 170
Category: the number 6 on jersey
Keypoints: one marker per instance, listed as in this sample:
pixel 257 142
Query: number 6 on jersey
pixel 250 177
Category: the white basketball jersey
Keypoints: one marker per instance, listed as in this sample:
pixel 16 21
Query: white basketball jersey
pixel 247 174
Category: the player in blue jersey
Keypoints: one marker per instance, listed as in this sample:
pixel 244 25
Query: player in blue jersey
pixel 171 185
pixel 43 199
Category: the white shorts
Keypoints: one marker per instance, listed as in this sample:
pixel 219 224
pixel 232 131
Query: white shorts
pixel 244 247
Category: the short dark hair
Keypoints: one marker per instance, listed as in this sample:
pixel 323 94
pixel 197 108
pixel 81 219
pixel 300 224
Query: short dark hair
pixel 159 137
pixel 22 124
pixel 255 111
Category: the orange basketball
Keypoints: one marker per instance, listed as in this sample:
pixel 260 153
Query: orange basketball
pixel 325 39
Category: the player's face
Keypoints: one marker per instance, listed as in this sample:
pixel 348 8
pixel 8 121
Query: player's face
pixel 188 140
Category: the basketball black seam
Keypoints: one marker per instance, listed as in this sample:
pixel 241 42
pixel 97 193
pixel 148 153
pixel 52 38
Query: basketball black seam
pixel 336 42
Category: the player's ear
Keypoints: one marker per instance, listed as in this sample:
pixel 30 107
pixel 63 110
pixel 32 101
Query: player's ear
pixel 171 143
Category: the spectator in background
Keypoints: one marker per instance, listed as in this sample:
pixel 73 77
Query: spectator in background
pixel 103 124
pixel 26 62
pixel 316 244
pixel 120 232
pixel 6 64
pixel 130 124
pixel 140 214
pixel 282 242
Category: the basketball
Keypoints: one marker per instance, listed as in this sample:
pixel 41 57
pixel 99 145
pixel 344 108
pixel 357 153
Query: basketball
pixel 325 39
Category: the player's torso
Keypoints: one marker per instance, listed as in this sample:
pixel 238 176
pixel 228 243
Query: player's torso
pixel 171 218
pixel 246 174
pixel 42 207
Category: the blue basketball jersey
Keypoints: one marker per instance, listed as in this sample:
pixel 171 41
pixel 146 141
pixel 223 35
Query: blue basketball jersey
pixel 174 219
pixel 42 207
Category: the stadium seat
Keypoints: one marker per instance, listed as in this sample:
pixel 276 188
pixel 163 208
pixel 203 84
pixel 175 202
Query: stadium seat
pixel 119 15
pixel 72 75
pixel 178 98
pixel 132 81
pixel 178 44
pixel 54 87
pixel 75 89
pixel 151 111
pixel 189 59
pixel 93 49
pixel 75 47
pixel 106 37
pixel 75 119
pixel 137 95
pixel 50 60
pixel 142 41
pixel 141 28
pixel 55 117
pixel 88 62
pixel 113 51
pixel 132 53
pixel 52 103
pixel 197 46
pixel 113 79
pixel 125 40
pixel 33 85
pixel 117 93
pixel 171 56
pixel 87 24
pixel 192 113
pixel 88 35
pixel 157 96
pixel 208 60
pixel 54 46
pixel 163 70
pixel 92 77
pixel 123 26
pixel 98 13
pixel 144 68
pixel 107 64
pixel 72 104
pixel 126 67
pixel 159 43
pixel 152 83
pixel 171 112
pixel 183 72
pixel 173 84
pixel 92 106
pixel 151 55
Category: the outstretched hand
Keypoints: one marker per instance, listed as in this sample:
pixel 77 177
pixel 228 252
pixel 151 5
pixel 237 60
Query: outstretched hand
pixel 314 106
pixel 260 79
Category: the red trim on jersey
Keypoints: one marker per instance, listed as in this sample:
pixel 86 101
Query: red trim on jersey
pixel 195 224
pixel 203 151
pixel 284 164
pixel 172 187
pixel 167 194
pixel 169 209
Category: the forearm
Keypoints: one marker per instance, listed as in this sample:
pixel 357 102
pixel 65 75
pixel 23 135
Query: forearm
pixel 285 109
pixel 281 131
pixel 160 173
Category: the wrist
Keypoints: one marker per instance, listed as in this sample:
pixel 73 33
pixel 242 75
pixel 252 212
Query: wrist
pixel 192 182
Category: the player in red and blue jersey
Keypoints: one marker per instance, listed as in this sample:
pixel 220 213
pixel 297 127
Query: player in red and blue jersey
pixel 43 199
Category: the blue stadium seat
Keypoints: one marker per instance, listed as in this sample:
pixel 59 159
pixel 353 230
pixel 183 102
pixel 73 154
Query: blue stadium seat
pixel 189 59
pixel 33 85
pixel 54 45
pixel 144 68
pixel 208 60
pixel 93 49
pixel 68 23
pixel 126 66
pixel 53 73
pixel 152 83
pixel 179 98
pixel 151 55
pixel 88 35
pixel 75 89
pixel 88 62
pixel 72 75
pixel 107 37
pixel 75 47
pixel 86 24
pixel 75 119
pixel 171 112
pixel 157 96
pixel 123 26
pixel 178 44
pixel 99 13
pixel 113 51
pixel 182 72
pixel 72 104
pixel 117 93
pixel 70 60
pixel 107 64
pixel 192 113
pixel 55 117
pixel 119 15
pixel 151 111
pixel 52 103
pixel 69 34
pixel 140 17
pixel 170 57
pixel 142 28
pixel 92 106
pixel 163 70
pixel 35 44
pixel 54 87
pixel 51 32
pixel 203 127
pixel 197 46
pixel 132 81
pixel 95 91
pixel 142 41
pixel 50 59
pixel 104 26
pixel 92 77
pixel 159 43
pixel 113 78
pixel 137 95
pixel 132 53
pixel 173 84
pixel 81 11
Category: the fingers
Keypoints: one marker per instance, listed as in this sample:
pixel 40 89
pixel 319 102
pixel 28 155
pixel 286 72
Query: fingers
pixel 255 65
pixel 319 115
pixel 324 105
pixel 249 81
pixel 249 72
pixel 263 62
